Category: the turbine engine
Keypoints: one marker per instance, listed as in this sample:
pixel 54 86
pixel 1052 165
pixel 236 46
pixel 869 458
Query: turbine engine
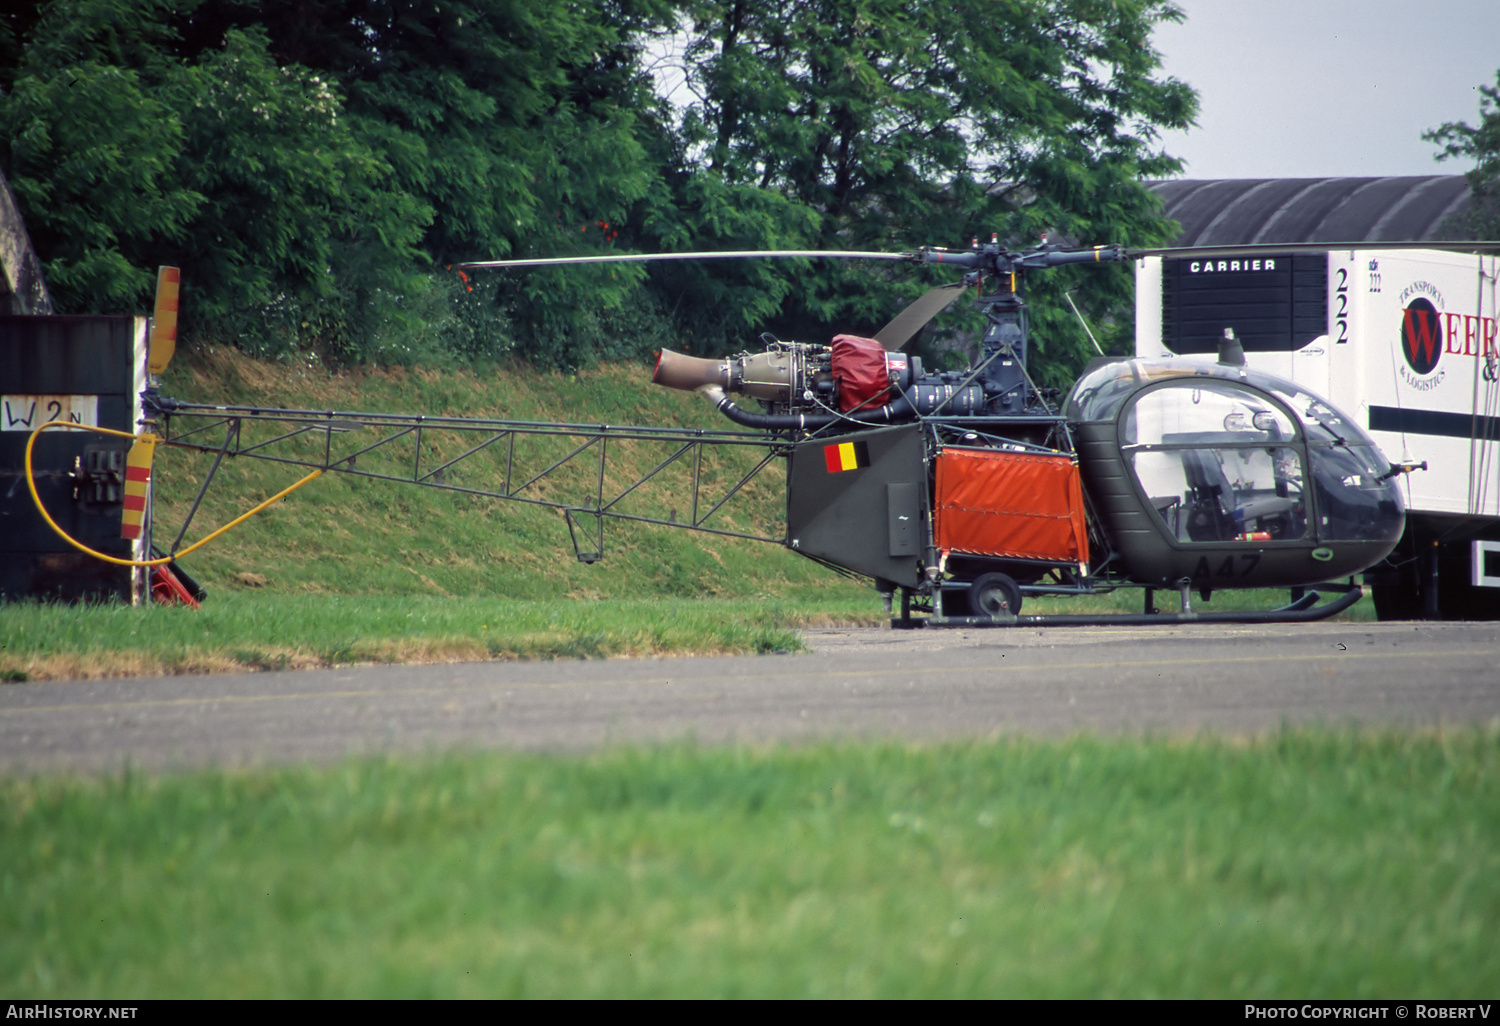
pixel 855 380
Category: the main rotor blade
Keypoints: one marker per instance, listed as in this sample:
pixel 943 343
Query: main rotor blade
pixel 745 254
pixel 1452 245
pixel 911 320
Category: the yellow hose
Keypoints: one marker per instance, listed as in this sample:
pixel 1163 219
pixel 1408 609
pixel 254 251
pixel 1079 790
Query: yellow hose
pixel 31 484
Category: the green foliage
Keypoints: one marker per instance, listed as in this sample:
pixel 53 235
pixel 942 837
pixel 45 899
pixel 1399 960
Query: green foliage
pixel 300 224
pixel 239 170
pixel 719 305
pixel 91 152
pixel 897 125
pixel 311 164
pixel 305 162
pixel 1480 144
pixel 516 124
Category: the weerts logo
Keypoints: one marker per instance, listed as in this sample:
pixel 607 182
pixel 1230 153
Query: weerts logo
pixel 1421 336
pixel 1429 332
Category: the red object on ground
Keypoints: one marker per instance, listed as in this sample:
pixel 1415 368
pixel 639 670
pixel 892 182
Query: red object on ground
pixel 168 590
pixel 1019 505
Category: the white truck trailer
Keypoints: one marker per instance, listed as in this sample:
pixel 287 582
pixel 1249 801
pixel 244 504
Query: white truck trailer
pixel 1402 339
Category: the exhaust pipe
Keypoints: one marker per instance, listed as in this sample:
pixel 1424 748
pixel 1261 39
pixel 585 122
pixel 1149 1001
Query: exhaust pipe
pixel 689 373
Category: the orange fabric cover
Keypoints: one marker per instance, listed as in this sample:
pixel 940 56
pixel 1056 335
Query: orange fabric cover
pixel 1019 505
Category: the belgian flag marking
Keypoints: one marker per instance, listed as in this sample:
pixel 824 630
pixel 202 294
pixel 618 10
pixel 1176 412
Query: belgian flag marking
pixel 846 456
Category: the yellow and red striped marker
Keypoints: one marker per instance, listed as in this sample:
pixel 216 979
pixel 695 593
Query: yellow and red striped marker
pixel 137 485
pixel 164 322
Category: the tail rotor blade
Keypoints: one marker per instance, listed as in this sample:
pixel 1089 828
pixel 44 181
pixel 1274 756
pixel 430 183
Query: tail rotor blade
pixel 163 341
pixel 915 317
pixel 137 485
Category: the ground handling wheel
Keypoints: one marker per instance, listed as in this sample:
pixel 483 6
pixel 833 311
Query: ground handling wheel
pixel 996 596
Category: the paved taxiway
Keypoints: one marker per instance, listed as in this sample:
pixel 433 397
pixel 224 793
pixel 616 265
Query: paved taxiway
pixel 855 683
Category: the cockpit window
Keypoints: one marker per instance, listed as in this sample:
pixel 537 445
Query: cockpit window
pixel 1100 392
pixel 1324 424
pixel 1206 412
pixel 1355 499
pixel 1220 495
pixel 1217 462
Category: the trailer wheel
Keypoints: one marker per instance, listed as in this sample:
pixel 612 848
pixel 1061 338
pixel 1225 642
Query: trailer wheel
pixel 994 595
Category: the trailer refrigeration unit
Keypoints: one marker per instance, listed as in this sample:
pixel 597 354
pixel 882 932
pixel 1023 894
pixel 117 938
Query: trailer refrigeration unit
pixel 1403 339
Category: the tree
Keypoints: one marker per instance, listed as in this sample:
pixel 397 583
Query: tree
pixel 309 160
pixel 1482 145
pixel 305 232
pixel 516 124
pixel 89 147
pixel 306 160
pixel 895 124
pixel 90 155
pixel 127 153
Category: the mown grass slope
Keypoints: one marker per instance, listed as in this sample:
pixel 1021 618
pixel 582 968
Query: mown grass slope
pixel 351 535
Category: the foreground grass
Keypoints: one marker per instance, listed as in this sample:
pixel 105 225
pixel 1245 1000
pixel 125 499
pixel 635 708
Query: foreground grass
pixel 273 632
pixel 1308 864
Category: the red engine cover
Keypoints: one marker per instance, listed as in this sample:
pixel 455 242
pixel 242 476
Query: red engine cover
pixel 861 372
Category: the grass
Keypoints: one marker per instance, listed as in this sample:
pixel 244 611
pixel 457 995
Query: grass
pixel 251 629
pixel 356 536
pixel 356 570
pixel 1306 864
pixel 261 631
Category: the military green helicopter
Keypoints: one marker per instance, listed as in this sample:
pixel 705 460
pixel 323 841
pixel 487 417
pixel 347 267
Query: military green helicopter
pixel 966 491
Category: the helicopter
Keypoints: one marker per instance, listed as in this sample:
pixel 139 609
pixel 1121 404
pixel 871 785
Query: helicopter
pixel 962 491
pixel 967 491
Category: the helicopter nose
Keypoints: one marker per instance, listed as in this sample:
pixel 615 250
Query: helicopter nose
pixel 1356 500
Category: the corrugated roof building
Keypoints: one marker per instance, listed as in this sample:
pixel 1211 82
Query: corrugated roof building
pixel 1242 211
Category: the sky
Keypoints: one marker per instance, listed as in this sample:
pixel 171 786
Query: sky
pixel 1321 88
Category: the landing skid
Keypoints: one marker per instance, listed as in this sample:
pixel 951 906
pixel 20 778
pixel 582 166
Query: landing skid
pixel 1303 610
